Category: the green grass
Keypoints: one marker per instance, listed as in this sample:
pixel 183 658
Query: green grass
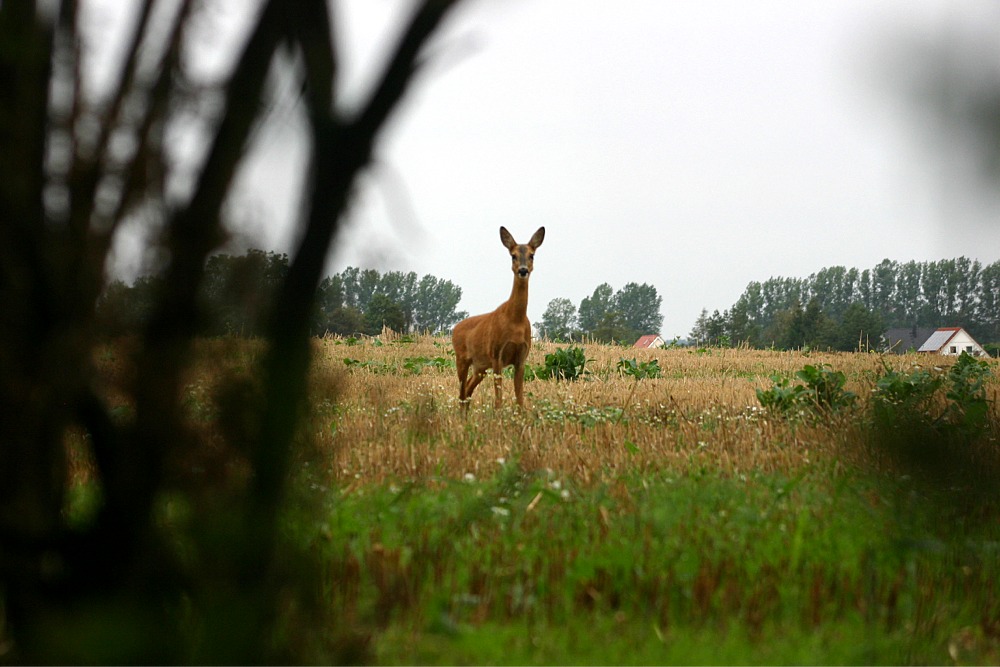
pixel 617 639
pixel 696 568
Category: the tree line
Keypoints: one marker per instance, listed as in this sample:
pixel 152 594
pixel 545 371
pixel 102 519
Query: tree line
pixel 839 308
pixel 237 291
pixel 606 315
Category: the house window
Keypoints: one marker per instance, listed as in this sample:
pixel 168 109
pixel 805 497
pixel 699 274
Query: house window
pixel 953 349
pixel 968 348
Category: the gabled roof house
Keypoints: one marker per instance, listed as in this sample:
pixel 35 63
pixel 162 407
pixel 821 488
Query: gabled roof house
pixel 952 341
pixel 948 341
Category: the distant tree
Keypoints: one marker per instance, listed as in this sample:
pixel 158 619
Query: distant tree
pixel 967 279
pixel 435 303
pixel 859 327
pixel 594 308
pixel 343 321
pixel 639 307
pixel 400 288
pixel 741 327
pixel 238 290
pixel 427 304
pixel 699 332
pixel 383 312
pixel 369 282
pixel 115 311
pixel 988 317
pixel 630 312
pixel 558 320
pixel 330 295
pixel 818 328
pixel 717 329
pixel 332 315
pixel 349 280
pixel 912 301
pixel 710 329
pixel 788 331
pixel 613 329
pixel 125 309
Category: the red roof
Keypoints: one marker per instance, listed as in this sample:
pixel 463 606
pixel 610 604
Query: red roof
pixel 646 341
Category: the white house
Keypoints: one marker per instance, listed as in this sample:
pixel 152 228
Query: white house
pixel 649 341
pixel 952 341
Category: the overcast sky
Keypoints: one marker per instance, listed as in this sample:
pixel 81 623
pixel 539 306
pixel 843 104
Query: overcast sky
pixel 695 146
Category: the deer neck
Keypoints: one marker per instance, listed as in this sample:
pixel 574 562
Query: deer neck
pixel 517 304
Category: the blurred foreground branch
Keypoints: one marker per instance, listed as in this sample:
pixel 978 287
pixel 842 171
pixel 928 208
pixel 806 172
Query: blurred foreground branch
pixel 74 165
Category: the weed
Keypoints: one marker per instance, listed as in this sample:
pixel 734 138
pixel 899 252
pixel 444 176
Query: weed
pixel 969 407
pixel 566 363
pixel 373 366
pixel 902 398
pixel 415 365
pixel 913 399
pixel 825 387
pixel 640 370
pixel 821 393
pixel 781 397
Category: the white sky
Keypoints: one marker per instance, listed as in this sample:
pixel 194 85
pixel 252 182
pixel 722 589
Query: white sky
pixel 695 146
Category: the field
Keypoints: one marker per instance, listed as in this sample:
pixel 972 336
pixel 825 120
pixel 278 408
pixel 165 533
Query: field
pixel 632 521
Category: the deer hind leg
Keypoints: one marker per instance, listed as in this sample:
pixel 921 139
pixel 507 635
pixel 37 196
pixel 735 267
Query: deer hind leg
pixel 463 372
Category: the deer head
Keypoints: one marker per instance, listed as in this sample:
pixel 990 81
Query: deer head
pixel 522 256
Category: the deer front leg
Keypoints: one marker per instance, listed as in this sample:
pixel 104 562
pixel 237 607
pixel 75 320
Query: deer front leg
pixel 473 382
pixel 519 383
pixel 497 379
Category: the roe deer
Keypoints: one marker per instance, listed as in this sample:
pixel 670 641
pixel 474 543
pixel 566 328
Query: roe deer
pixel 502 338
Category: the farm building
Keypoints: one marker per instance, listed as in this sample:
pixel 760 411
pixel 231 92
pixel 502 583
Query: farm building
pixel 952 341
pixel 649 341
pixel 948 341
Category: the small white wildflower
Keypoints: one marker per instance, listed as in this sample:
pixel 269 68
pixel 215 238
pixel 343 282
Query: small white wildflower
pixel 501 511
pixel 564 494
pixel 468 478
pixel 501 460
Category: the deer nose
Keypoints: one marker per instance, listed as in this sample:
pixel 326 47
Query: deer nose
pixel 523 271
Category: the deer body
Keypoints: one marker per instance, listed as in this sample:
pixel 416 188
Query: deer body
pixel 502 338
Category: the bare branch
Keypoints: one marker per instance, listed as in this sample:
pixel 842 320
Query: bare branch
pixel 403 64
pixel 339 152
pixel 313 26
pixel 193 232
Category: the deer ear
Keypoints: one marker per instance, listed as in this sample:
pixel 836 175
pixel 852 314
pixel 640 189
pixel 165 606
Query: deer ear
pixel 507 239
pixel 537 239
